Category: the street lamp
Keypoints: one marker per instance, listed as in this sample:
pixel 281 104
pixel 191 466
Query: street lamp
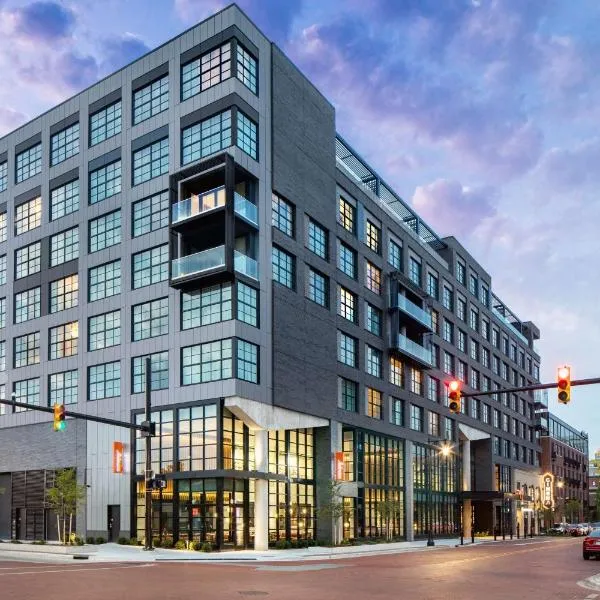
pixel 444 450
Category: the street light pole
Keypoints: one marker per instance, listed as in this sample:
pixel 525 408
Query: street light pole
pixel 148 471
pixel 428 459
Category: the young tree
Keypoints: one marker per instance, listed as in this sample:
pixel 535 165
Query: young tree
pixel 572 507
pixel 64 498
pixel 389 509
pixel 332 507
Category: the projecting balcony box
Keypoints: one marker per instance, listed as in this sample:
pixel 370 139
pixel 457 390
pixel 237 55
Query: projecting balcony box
pixel 406 303
pixel 414 312
pixel 412 350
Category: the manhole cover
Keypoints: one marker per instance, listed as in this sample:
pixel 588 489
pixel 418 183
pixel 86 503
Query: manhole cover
pixel 253 593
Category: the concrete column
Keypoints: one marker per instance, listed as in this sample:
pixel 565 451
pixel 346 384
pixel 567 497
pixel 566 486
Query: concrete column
pixel 409 508
pixel 261 491
pixel 466 486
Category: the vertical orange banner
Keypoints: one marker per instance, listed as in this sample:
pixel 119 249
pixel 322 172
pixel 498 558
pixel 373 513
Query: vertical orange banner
pixel 340 472
pixel 118 457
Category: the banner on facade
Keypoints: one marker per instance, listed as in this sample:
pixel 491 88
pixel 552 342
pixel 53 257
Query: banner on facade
pixel 118 457
pixel 338 466
pixel 548 490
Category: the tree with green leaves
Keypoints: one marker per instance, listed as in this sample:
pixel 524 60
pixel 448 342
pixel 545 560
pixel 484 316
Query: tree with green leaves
pixel 572 508
pixel 389 509
pixel 332 507
pixel 64 498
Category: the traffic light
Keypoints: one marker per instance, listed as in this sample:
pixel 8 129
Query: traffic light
pixel 59 417
pixel 564 384
pixel 454 396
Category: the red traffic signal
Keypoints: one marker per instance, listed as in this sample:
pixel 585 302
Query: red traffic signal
pixel 564 384
pixel 454 396
pixel 59 417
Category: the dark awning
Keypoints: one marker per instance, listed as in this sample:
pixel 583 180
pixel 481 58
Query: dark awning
pixel 485 496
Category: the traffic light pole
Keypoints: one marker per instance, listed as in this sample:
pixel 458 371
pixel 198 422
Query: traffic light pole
pixel 527 388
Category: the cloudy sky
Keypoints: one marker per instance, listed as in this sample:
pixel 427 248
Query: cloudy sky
pixel 484 114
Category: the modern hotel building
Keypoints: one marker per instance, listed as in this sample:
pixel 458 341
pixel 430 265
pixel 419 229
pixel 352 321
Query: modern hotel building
pixel 199 207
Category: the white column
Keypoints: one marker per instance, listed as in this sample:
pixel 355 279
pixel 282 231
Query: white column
pixel 466 486
pixel 261 491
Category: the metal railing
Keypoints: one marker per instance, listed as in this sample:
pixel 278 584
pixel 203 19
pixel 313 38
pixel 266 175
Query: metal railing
pixel 405 305
pixel 406 345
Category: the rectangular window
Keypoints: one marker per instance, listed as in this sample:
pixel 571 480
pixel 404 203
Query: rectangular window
pixel 247 304
pixel 397 412
pixel 485 413
pixel 3 355
pixel 448 428
pixel 435 320
pixel 347 260
pixel 347 305
pixel 284 270
pixel 104 330
pixel 416 418
pixel 433 389
pixel 207 362
pixel 395 255
pixel 433 285
pixel 396 371
pixel 347 216
pixel 27 391
pixel 151 100
pixel 29 163
pixel 474 408
pixel 247 135
pixel 28 215
pixel 27 350
pixel 2 312
pixel 64 246
pixel 447 298
pixel 474 350
pixel 373 320
pixel 485 295
pixel 104 281
pixel 373 278
pixel 433 425
pixel 318 288
pixel 64 293
pixel 64 340
pixel 207 137
pixel 28 260
pixel 318 239
pixel 208 305
pixel 374 403
pixel 414 271
pixel 461 308
pixel 151 161
pixel 473 284
pixel 448 363
pixel 64 200
pixel 64 144
pixel 150 214
pixel 282 214
pixel 347 349
pixel 461 344
pixel 485 329
pixel 416 381
pixel 373 237
pixel 348 391
pixel 247 361
pixel 105 231
pixel 474 320
pixel 150 266
pixel 247 68
pixel 105 182
pixel 159 372
pixel 104 381
pixel 3 176
pixel 204 72
pixel 27 305
pixel 448 331
pixel 461 272
pixel 150 319
pixel 374 359
pixel 62 388
pixel 105 123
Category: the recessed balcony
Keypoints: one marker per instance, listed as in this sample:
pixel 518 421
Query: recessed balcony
pixel 245 265
pixel 200 262
pixel 198 204
pixel 410 348
pixel 409 308
pixel 245 209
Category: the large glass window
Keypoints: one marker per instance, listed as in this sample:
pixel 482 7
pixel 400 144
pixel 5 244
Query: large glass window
pixel 207 362
pixel 284 271
pixel 27 305
pixel 3 176
pixel 318 288
pixel 347 305
pixel 150 319
pixel 416 417
pixel 105 182
pixel 374 403
pixel 104 281
pixel 461 272
pixel 27 391
pixel 159 372
pixel 105 231
pixel 2 312
pixel 373 278
pixel 64 246
pixel 28 215
pixel 105 123
pixel 247 68
pixel 347 349
pixel 151 99
pixel 62 388
pixel 447 298
pixel 433 389
pixel 247 135
pixel 64 200
pixel 374 359
pixel 27 350
pixel 247 304
pixel 64 293
pixel 197 439
pixel 207 137
pixel 104 330
pixel 104 381
pixel 414 270
pixel 3 355
pixel 29 163
pixel 396 371
pixel 28 260
pixel 64 144
pixel 347 215
pixel 433 285
pixel 347 261
pixel 395 255
pixel 204 72
pixel 373 237
pixel 398 412
pixel 348 394
pixel 247 361
pixel 150 214
pixel 282 214
pixel 317 239
pixel 64 340
pixel 208 305
pixel 373 320
pixel 151 161
pixel 151 266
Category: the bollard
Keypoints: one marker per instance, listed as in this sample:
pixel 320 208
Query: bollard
pixel 462 537
pixel 519 531
pixel 511 531
pixel 472 535
pixel 495 533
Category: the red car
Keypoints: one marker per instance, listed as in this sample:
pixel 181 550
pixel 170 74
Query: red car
pixel 591 544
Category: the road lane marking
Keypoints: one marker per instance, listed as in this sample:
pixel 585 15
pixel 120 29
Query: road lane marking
pixel 72 570
pixel 591 596
pixel 532 543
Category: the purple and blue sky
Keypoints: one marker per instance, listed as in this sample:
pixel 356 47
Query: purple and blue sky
pixel 483 114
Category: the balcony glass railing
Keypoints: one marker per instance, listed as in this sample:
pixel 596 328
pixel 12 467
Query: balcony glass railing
pixel 245 265
pixel 410 308
pixel 506 322
pixel 245 208
pixel 199 262
pixel 197 204
pixel 412 348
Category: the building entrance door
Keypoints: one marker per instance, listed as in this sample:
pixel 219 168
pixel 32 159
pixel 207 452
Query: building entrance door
pixel 113 522
pixel 19 523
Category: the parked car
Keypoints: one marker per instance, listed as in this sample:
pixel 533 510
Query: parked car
pixel 586 528
pixel 575 529
pixel 558 529
pixel 591 544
